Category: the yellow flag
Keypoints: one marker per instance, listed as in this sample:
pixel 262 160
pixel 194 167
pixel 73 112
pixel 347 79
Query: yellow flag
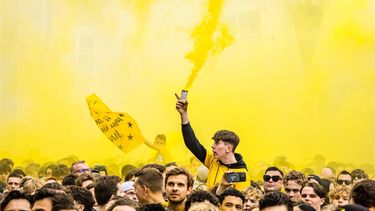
pixel 119 127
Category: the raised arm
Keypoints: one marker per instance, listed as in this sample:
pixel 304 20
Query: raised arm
pixel 191 141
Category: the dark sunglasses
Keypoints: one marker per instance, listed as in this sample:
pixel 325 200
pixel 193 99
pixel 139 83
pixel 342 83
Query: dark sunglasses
pixel 359 177
pixel 267 178
pixel 346 182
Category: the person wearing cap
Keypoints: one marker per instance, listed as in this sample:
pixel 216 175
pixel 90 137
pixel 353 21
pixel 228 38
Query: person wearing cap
pixel 127 190
pixel 223 158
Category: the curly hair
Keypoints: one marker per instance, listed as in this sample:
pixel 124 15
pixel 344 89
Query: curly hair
pixel 296 176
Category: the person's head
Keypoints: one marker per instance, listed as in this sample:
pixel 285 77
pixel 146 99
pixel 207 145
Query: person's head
pixel 19 172
pixel 84 179
pixel 83 198
pixel 313 178
pixel 327 173
pixel 156 166
pixel 275 201
pixel 160 140
pixel 358 175
pixel 106 187
pixel 273 179
pixel 14 181
pixel 51 200
pixel 126 169
pixel 293 183
pixel 127 189
pixel 203 206
pixel 69 180
pixel 352 207
pixel 313 194
pixel 123 204
pixel 16 201
pixel 59 171
pixel 29 185
pixel 198 196
pixel 225 143
pixel 231 199
pixel 151 207
pixel 363 193
pixel 252 197
pixel 327 184
pixel 149 181
pixel 5 170
pixel 178 185
pixel 79 167
pixel 169 166
pixel 101 169
pixel 345 179
pixel 130 176
pixel 339 196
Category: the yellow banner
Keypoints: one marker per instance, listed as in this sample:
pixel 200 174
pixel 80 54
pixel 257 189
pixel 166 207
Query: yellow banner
pixel 120 128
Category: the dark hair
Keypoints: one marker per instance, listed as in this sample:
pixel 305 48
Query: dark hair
pixel 126 169
pixel 318 189
pixel 19 172
pixel 131 174
pixel 351 207
pixel 305 207
pixel 82 178
pixel 100 168
pixel 363 193
pixel 151 178
pixel 105 187
pixel 275 198
pixel 14 174
pixel 358 173
pixel 53 185
pixel 60 170
pixel 69 180
pixel 171 164
pixel 179 171
pixel 231 192
pixel 295 176
pixel 228 137
pixel 274 168
pixel 162 137
pixel 156 166
pixel 315 177
pixel 15 194
pixel 82 196
pixel 59 200
pixel 343 172
pixel 5 168
pixel 123 202
pixel 325 184
pixel 201 196
pixel 152 207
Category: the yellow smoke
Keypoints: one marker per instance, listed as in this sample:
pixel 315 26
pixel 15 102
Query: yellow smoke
pixel 298 81
pixel 205 42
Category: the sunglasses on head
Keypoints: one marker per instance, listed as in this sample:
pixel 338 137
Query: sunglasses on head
pixel 267 178
pixel 359 177
pixel 346 182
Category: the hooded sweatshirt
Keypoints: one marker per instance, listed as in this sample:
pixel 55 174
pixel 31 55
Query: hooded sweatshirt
pixel 216 167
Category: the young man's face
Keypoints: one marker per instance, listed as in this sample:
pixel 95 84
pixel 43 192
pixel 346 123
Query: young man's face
pixel 309 197
pixel 345 180
pixel 273 181
pixel 231 203
pixel 340 200
pixel 159 142
pixel 140 193
pixel 292 189
pixel 14 183
pixel 220 149
pixel 18 205
pixel 177 189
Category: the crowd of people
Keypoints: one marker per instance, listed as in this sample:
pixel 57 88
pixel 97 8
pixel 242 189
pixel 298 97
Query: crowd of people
pixel 222 183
